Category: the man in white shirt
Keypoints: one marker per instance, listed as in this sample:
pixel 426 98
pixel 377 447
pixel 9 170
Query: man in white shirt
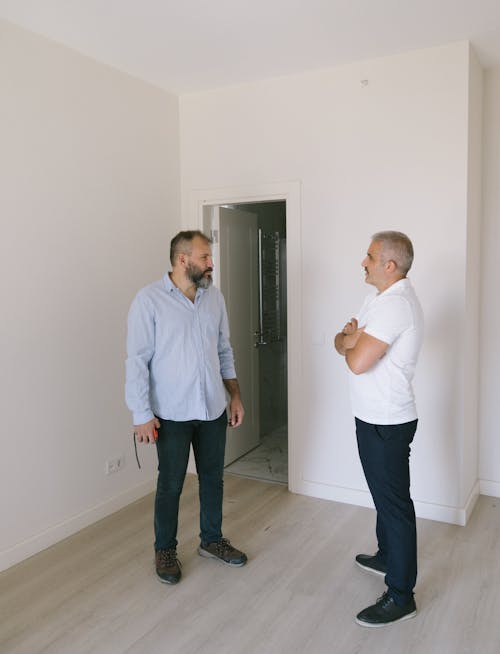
pixel 381 346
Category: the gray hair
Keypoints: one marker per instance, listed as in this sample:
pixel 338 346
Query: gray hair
pixel 396 247
pixel 183 242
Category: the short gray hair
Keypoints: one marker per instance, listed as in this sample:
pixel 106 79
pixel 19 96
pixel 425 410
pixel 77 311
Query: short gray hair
pixel 183 242
pixel 396 247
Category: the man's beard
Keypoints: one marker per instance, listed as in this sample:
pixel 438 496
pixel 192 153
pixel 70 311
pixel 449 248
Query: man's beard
pixel 197 276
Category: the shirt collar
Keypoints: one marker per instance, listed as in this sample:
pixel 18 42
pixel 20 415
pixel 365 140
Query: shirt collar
pixel 171 287
pixel 400 284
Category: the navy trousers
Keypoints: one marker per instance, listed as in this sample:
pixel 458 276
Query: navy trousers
pixel 208 438
pixel 384 451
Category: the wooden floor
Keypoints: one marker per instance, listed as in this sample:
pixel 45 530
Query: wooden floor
pixel 96 592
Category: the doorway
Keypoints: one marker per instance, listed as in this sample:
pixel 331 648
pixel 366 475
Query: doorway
pixel 260 228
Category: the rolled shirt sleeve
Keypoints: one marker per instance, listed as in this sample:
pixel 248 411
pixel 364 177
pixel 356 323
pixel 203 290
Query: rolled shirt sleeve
pixel 140 350
pixel 224 348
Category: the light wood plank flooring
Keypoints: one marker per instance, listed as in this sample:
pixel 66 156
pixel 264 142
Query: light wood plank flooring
pixel 96 592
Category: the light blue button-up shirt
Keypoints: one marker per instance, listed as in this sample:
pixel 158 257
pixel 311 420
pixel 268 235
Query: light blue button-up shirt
pixel 178 353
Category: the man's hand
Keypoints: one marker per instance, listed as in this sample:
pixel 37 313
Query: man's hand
pixel 147 433
pixel 350 340
pixel 236 412
pixel 350 327
pixel 348 337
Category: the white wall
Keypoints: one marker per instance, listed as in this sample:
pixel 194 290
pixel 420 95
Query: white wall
pixel 470 329
pixel 89 174
pixel 89 201
pixel 390 152
pixel 489 464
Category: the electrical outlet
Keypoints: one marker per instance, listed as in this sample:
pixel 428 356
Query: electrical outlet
pixel 115 465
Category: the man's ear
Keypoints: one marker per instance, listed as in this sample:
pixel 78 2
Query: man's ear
pixel 391 266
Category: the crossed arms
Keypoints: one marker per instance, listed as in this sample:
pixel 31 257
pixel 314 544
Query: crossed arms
pixel 361 350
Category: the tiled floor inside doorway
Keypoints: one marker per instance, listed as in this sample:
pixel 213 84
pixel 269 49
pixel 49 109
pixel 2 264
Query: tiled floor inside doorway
pixel 268 461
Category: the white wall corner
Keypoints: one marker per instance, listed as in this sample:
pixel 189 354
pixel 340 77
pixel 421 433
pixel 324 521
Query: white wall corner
pixel 470 453
pixel 471 501
pixel 489 464
pixel 490 488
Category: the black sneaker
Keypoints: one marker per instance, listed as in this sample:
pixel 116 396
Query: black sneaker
pixel 168 566
pixel 371 564
pixel 223 551
pixel 386 611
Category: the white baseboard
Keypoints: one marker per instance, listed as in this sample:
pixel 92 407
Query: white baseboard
pixel 69 527
pixel 491 488
pixel 471 502
pixel 427 510
pixel 334 493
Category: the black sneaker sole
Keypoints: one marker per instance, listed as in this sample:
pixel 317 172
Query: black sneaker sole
pixel 209 555
pixel 379 573
pixel 386 624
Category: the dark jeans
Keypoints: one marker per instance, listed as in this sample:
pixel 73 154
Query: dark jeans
pixel 384 451
pixel 209 442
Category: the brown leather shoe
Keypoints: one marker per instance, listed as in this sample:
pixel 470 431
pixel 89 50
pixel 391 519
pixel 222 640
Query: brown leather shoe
pixel 223 551
pixel 168 566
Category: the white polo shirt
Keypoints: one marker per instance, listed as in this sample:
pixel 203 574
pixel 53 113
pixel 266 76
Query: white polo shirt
pixel 383 395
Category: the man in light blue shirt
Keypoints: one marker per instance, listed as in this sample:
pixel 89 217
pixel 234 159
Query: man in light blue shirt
pixel 179 366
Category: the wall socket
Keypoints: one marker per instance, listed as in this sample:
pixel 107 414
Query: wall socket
pixel 115 465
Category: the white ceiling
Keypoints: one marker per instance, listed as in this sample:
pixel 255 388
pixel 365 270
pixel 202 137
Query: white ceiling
pixel 190 45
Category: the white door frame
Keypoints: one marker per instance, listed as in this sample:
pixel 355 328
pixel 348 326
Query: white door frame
pixel 290 192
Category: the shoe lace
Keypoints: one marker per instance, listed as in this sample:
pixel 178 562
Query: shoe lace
pixel 168 557
pixel 384 599
pixel 223 546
